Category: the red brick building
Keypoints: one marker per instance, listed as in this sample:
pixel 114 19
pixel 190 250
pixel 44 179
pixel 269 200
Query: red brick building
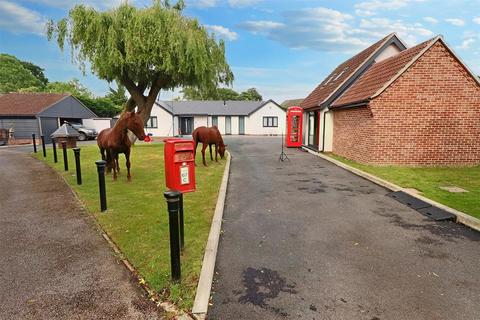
pixel 393 105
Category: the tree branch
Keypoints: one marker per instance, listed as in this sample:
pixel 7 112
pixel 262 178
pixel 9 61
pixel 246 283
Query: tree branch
pixel 135 92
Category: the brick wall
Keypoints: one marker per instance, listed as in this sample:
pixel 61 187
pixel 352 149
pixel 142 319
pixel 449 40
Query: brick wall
pixel 352 132
pixel 429 116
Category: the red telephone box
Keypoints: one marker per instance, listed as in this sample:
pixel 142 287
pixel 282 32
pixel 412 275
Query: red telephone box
pixel 294 127
pixel 179 164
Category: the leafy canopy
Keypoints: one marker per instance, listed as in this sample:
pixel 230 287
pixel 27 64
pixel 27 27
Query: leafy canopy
pixel 14 75
pixel 221 94
pixel 154 47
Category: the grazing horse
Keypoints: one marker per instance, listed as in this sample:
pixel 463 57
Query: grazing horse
pixel 209 136
pixel 115 140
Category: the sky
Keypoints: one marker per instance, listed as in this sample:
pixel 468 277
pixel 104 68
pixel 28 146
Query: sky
pixel 283 48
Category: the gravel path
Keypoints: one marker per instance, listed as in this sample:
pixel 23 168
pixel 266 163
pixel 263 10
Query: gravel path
pixel 54 264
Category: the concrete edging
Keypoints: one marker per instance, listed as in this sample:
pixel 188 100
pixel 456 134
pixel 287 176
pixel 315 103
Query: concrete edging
pixel 462 217
pixel 202 297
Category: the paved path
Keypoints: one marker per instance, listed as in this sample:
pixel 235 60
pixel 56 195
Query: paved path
pixel 308 240
pixel 53 263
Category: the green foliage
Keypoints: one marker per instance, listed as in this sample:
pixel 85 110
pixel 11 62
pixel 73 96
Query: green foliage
pixel 154 47
pixel 117 96
pixel 36 71
pixel 251 94
pixel 15 76
pixel 227 94
pixel 74 87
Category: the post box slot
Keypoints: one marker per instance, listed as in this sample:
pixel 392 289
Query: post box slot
pixel 183 156
pixel 183 146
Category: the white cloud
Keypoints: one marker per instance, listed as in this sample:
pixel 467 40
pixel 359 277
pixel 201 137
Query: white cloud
pixel 317 28
pixel 468 38
pixel 222 32
pixel 242 3
pixel 67 4
pixel 261 26
pixel 476 20
pixel 466 44
pixel 18 19
pixel 330 30
pixel 370 8
pixel 431 20
pixel 202 3
pixel 407 32
pixel 456 22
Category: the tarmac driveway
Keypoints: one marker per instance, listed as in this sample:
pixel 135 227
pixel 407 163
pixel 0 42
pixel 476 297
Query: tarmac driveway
pixel 53 263
pixel 308 240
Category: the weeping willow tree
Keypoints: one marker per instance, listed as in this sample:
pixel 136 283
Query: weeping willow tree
pixel 144 49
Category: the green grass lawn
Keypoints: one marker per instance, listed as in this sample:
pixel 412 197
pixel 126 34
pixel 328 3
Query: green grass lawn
pixel 428 181
pixel 137 218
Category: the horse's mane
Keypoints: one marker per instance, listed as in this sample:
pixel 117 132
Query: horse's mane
pixel 218 134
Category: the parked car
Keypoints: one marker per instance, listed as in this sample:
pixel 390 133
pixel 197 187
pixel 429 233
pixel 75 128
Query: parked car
pixel 85 133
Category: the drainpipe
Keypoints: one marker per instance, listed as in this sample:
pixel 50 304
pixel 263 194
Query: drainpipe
pixel 40 125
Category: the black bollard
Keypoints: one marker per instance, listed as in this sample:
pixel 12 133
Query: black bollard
pixel 180 214
pixel 34 143
pixel 43 146
pixel 65 157
pixel 54 146
pixel 101 183
pixel 76 151
pixel 173 200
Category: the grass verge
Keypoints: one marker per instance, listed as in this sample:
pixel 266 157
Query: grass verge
pixel 428 181
pixel 137 218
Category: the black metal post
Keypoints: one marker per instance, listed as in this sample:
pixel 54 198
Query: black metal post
pixel 76 151
pixel 173 200
pixel 101 183
pixel 43 146
pixel 180 217
pixel 54 146
pixel 65 157
pixel 34 143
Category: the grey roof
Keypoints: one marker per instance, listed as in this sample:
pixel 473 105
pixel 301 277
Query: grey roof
pixel 213 108
pixel 65 131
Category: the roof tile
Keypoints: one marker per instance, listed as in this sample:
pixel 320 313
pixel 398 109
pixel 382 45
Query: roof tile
pixel 377 76
pixel 339 75
pixel 27 104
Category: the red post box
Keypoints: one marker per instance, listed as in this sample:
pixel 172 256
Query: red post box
pixel 294 127
pixel 179 164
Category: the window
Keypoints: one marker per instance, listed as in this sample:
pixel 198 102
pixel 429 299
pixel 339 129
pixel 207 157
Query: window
pixel 215 121
pixel 152 122
pixel 270 121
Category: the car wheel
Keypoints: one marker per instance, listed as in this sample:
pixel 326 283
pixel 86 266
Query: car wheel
pixel 82 137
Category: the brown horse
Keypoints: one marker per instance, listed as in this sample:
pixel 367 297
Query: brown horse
pixel 209 136
pixel 115 140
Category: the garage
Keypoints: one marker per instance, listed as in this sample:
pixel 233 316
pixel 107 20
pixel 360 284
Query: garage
pixel 39 113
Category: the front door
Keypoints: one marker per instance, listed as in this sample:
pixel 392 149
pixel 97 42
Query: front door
pixel 228 125
pixel 313 129
pixel 186 125
pixel 241 125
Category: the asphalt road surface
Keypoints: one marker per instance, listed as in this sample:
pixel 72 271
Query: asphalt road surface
pixel 308 240
pixel 53 263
